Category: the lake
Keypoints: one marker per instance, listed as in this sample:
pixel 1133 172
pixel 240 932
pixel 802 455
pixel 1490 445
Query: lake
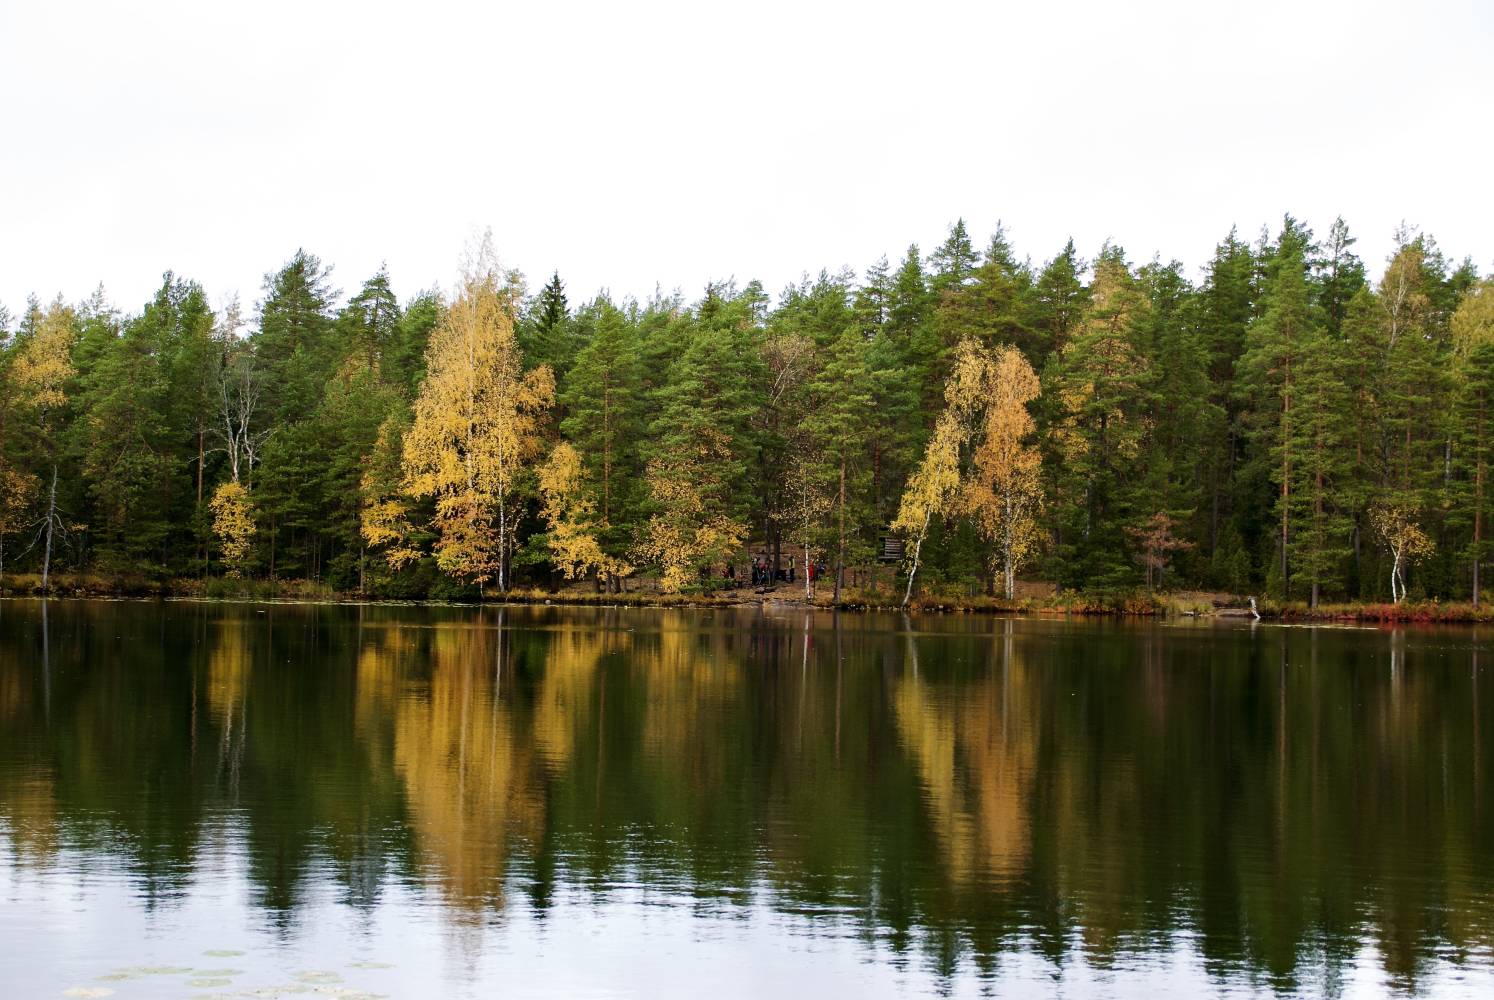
pixel 202 799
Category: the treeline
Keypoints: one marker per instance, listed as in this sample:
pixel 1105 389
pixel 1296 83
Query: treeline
pixel 1286 424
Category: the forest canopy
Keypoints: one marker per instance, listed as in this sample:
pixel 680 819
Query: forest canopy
pixel 1282 420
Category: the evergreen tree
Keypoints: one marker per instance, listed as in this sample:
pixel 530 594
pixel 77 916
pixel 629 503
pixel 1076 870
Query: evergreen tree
pixel 1340 276
pixel 1473 346
pixel 1268 376
pixel 955 260
pixel 602 397
pixel 294 344
pixel 547 335
pixel 1058 303
pixel 368 326
pixel 1097 403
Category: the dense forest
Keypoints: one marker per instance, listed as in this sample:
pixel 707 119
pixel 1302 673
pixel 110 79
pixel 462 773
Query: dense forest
pixel 1284 422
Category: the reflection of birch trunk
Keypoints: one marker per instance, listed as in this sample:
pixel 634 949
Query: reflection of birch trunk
pixel 46 664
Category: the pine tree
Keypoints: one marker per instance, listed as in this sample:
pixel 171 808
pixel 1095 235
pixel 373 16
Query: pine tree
pixel 1268 376
pixel 1058 303
pixel 1340 277
pixel 712 388
pixel 294 343
pixel 955 261
pixel 602 397
pixel 1473 346
pixel 1097 403
pixel 368 326
pixel 839 431
pixel 1321 463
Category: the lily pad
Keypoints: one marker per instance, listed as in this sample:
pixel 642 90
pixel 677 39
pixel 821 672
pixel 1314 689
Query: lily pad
pixel 141 971
pixel 317 977
pixel 88 991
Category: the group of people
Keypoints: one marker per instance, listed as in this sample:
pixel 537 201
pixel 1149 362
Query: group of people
pixel 764 574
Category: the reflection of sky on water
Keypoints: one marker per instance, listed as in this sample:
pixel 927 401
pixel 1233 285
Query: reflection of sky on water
pixel 81 923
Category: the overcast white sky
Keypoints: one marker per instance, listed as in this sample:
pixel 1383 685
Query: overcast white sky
pixel 629 144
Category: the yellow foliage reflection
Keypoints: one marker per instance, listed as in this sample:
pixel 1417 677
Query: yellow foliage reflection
pixel 976 763
pixel 468 776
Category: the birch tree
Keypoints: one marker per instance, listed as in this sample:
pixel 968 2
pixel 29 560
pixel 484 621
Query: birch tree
pixel 931 491
pixel 478 426
pixel 41 372
pixel 1003 494
pixel 1396 524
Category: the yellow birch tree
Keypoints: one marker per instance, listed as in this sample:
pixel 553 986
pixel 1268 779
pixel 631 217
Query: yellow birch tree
pixel 1003 494
pixel 931 491
pixel 478 426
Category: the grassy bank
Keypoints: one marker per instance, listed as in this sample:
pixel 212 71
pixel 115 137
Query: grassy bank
pixel 1138 603
pixel 1363 611
pixel 852 599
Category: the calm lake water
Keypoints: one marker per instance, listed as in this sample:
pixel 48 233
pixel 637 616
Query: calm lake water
pixel 205 799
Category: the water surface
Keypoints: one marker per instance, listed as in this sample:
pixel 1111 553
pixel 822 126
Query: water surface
pixel 204 799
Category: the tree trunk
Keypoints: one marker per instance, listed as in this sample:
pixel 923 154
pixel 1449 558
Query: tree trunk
pixel 502 543
pixel 1478 511
pixel 840 554
pixel 808 588
pixel 917 551
pixel 51 523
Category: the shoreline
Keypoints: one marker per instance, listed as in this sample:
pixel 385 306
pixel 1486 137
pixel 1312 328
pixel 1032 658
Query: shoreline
pixel 1181 604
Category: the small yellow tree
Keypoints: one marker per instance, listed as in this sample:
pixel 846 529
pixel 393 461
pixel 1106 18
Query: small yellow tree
pixel 233 524
pixel 931 490
pixel 384 516
pixel 1003 493
pixel 1396 524
pixel 685 534
pixel 478 426
pixel 571 515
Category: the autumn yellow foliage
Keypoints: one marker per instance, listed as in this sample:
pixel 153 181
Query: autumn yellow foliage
pixel 478 426
pixel 233 524
pixel 986 397
pixel 571 515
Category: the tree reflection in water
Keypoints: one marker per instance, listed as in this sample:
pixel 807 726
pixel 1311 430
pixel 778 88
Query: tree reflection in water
pixel 958 790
